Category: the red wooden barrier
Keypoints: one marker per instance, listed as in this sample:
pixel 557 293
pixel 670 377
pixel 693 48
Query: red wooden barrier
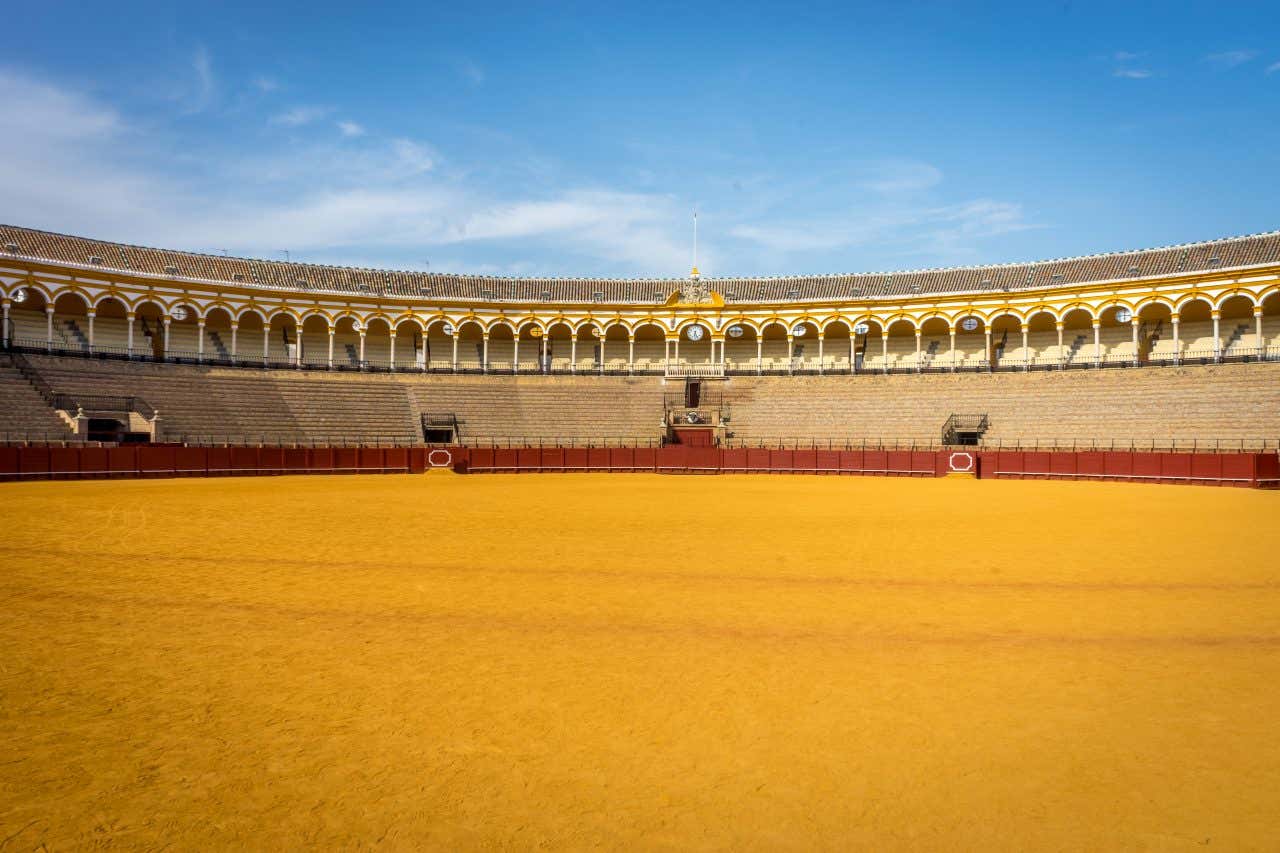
pixel 1224 469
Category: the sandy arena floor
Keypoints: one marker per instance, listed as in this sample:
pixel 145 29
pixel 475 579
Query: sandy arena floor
pixel 633 661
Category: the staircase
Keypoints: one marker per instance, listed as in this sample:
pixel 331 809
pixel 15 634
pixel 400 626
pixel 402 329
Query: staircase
pixel 964 429
pixel 1076 346
pixel 219 347
pixel 78 340
pixel 1237 334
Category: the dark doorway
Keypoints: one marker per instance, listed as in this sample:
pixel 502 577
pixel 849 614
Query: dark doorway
pixel 692 393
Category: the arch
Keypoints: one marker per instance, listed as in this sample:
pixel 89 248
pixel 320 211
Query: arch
pixel 315 323
pixel 1003 313
pixel 1193 298
pixel 1236 294
pixel 71 302
pixel 251 310
pixel 1271 324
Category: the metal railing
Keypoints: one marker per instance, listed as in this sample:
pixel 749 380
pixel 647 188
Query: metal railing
pixel 1081 360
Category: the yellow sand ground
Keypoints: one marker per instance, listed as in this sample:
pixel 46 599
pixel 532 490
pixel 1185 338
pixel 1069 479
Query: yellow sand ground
pixel 639 662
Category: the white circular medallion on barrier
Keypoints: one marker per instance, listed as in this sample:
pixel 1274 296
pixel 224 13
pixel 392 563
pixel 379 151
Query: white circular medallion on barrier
pixel 735 331
pixel 861 329
pixel 962 462
pixel 694 333
pixel 442 460
pixel 969 323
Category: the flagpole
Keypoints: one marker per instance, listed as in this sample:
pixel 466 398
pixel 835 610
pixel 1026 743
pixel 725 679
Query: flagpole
pixel 695 240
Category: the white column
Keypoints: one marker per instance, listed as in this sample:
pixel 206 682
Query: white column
pixel 48 327
pixel 759 353
pixel 266 342
pixel 676 347
pixel 4 324
pixel 604 336
pixel 391 363
pixel 853 351
pixel 1134 323
pixel 484 354
pixel 200 339
pixel 297 346
pixel 631 353
pixel 821 366
pixel 545 367
pixel 1097 343
pixel 455 350
pixel 884 349
pixel 1217 344
pixel 791 353
pixel 235 331
pixel 1062 357
pixel 573 352
pixel 362 349
pixel 987 332
pixel 1026 352
pixel 129 345
pixel 952 330
pixel 515 353
pixel 917 350
pixel 91 315
pixel 166 337
pixel 1177 343
pixel 331 348
pixel 1257 339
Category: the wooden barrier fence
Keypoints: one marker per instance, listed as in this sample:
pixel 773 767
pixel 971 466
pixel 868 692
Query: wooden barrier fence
pixel 1256 470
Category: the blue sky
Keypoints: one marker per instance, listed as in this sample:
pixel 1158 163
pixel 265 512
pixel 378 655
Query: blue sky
pixel 538 139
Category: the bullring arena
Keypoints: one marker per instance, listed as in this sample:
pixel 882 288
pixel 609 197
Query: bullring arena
pixel 950 559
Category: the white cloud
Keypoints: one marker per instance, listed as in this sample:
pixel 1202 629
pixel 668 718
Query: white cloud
pixel 265 84
pixel 204 82
pixel 350 128
pixel 1231 58
pixel 298 116
pixel 1125 55
pixel 71 163
pixel 903 177
pixel 413 157
pixel 1132 73
pixel 1273 67
pixel 470 71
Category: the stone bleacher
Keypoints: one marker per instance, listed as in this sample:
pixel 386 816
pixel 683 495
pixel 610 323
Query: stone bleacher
pixel 200 403
pixel 1211 401
pixel 23 412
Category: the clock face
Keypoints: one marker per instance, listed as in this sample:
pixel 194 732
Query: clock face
pixel 969 324
pixel 798 330
pixel 861 329
pixel 694 333
pixel 1124 315
pixel 179 313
